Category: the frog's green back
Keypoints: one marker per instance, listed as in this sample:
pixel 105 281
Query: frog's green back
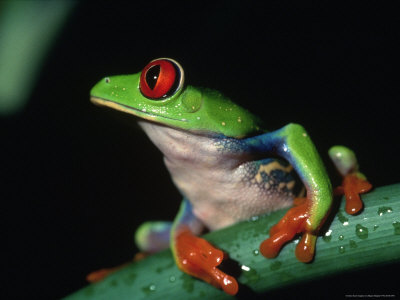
pixel 228 118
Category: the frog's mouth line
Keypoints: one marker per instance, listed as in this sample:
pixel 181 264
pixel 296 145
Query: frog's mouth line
pixel 130 110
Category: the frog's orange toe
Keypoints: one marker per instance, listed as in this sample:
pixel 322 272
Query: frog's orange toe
pixel 221 280
pixel 292 223
pixel 140 256
pixel 352 187
pixel 99 275
pixel 271 246
pixel 306 247
pixel 353 203
pixel 200 259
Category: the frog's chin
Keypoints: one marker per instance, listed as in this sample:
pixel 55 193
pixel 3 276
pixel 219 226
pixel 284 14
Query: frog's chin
pixel 134 111
pixel 150 118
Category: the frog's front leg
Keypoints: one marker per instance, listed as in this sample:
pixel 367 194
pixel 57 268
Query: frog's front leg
pixel 293 144
pixel 195 256
pixel 354 182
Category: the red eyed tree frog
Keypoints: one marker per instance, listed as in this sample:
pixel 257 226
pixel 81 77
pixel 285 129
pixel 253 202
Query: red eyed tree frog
pixel 227 167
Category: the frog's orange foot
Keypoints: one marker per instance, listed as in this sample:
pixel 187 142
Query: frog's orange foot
pixel 99 275
pixel 352 186
pixel 140 256
pixel 294 222
pixel 199 258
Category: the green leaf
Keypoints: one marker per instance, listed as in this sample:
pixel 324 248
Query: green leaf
pixel 347 243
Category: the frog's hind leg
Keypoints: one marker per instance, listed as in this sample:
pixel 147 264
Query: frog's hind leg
pixel 150 237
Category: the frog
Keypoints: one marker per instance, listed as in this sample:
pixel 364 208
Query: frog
pixel 228 168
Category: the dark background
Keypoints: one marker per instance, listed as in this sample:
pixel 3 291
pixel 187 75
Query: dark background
pixel 79 179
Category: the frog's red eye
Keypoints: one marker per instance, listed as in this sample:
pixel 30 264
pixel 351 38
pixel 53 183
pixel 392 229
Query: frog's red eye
pixel 161 78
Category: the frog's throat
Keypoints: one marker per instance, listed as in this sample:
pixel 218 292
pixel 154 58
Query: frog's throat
pixel 131 110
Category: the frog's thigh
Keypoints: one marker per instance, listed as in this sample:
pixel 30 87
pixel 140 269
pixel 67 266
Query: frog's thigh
pixel 153 236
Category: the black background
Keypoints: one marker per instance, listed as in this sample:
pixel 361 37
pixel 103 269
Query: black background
pixel 79 179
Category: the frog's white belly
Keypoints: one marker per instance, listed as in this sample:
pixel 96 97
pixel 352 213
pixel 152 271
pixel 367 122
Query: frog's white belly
pixel 223 182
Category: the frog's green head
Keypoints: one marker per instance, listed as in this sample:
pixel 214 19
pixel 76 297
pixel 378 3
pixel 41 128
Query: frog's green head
pixel 158 94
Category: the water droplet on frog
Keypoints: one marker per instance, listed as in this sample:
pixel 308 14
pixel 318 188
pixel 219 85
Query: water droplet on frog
pixel 256 252
pixel 342 249
pixel 172 278
pixel 341 237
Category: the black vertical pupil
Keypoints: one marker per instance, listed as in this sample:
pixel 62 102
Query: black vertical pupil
pixel 152 76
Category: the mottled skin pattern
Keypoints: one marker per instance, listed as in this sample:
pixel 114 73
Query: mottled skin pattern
pixel 224 183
